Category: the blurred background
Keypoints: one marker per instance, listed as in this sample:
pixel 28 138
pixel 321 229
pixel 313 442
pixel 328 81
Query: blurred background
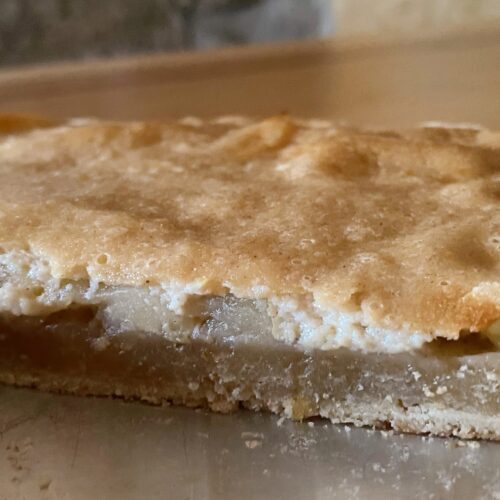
pixel 392 63
pixel 46 30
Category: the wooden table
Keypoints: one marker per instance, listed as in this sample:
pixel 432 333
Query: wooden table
pixel 370 82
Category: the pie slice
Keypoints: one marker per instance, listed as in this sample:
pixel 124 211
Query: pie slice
pixel 286 265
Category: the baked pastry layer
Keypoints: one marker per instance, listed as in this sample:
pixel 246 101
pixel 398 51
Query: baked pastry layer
pixel 313 256
pixel 449 392
pixel 387 232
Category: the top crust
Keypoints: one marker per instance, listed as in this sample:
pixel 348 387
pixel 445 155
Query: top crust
pixel 404 226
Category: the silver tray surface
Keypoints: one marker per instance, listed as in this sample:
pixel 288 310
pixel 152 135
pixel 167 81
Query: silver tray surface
pixel 58 447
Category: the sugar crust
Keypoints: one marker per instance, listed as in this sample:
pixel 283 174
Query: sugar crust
pixel 403 226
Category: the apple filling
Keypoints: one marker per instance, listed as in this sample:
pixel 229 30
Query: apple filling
pixel 230 359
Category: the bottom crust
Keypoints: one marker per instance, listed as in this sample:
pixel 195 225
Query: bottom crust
pixel 433 391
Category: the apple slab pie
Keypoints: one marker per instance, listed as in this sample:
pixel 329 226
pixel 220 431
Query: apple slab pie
pixel 287 265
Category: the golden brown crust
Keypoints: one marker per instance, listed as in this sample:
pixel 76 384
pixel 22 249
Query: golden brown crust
pixel 16 123
pixel 405 225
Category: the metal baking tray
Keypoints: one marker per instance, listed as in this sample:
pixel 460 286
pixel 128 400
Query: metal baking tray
pixel 58 447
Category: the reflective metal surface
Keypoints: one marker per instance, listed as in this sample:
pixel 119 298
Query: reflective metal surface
pixel 78 448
